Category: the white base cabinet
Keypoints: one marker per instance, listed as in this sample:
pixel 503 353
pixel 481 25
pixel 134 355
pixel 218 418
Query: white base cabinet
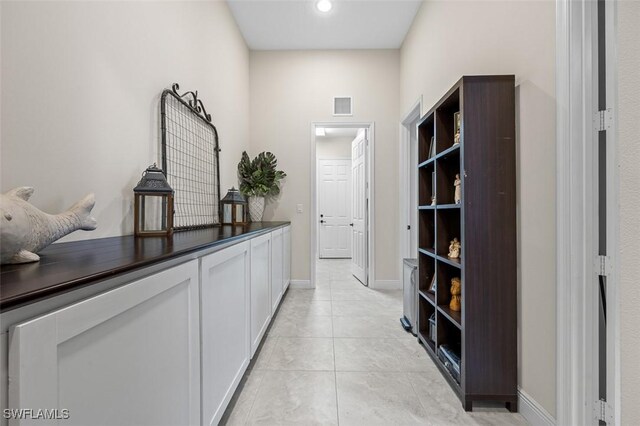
pixel 224 290
pixel 286 254
pixel 166 349
pixel 276 269
pixel 127 356
pixel 260 289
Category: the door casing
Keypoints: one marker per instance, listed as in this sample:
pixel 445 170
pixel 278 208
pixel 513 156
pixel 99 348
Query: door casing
pixel 577 214
pixel 313 213
pixel 410 119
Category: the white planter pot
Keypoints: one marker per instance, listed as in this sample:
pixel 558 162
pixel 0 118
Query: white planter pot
pixel 256 208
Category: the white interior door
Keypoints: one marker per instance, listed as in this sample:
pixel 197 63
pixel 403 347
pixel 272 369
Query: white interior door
pixel 358 208
pixel 334 208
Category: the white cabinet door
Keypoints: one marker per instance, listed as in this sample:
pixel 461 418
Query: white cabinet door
pixel 224 291
pixel 286 253
pixel 127 356
pixel 260 288
pixel 276 269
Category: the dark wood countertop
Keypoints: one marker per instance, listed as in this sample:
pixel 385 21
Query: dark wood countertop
pixel 66 266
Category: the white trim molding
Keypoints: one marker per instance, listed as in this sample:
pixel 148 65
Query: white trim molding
pixel 577 215
pixel 371 220
pixel 415 112
pixel 533 412
pixel 574 221
pixel 301 284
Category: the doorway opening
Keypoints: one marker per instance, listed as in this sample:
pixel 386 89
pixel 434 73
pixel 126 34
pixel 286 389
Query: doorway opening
pixel 342 197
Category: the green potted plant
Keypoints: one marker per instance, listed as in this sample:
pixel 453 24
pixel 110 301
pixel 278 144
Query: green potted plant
pixel 259 178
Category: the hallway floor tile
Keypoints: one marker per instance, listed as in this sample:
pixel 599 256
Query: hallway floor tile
pixel 338 355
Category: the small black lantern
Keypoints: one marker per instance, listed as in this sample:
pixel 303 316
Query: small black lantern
pixel 234 208
pixel 153 206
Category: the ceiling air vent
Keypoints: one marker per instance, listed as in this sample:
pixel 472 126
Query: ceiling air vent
pixel 342 105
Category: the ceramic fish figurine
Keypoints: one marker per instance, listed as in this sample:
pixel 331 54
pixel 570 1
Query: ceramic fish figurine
pixel 25 230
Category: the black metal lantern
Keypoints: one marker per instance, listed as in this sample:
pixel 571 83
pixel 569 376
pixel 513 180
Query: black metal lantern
pixel 234 208
pixel 153 206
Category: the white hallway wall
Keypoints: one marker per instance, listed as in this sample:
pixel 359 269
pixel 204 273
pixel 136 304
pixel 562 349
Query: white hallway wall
pixel 81 84
pixel 292 89
pixel 449 39
pixel 629 145
pixel 333 147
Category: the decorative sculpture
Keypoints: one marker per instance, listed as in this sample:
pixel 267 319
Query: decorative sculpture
pixel 457 118
pixel 454 249
pixel 457 196
pixel 433 200
pixel 456 290
pixel 456 138
pixel 25 230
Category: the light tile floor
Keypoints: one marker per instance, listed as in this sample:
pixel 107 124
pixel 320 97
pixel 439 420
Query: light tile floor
pixel 338 355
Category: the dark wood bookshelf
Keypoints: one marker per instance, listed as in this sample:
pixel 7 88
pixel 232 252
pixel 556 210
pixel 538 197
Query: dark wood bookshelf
pixel 483 334
pixel 428 252
pixel 448 206
pixel 456 263
pixel 428 296
pixel 453 316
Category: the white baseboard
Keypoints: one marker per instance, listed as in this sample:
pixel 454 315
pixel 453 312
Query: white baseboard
pixel 306 284
pixel 387 285
pixel 533 413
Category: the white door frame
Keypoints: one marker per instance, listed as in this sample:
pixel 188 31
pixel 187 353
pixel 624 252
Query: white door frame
pixel 415 112
pixel 313 216
pixel 317 213
pixel 577 215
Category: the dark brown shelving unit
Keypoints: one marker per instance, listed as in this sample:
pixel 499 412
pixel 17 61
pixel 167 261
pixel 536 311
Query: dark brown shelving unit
pixel 483 334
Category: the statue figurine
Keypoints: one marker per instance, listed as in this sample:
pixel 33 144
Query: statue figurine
pixel 457 196
pixel 456 290
pixel 456 138
pixel 433 200
pixel 25 229
pixel 454 249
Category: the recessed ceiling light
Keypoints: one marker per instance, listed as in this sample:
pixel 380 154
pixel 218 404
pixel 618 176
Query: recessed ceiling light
pixel 324 5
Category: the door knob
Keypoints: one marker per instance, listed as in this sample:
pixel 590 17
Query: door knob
pixel 322 221
pixel 351 224
pixel 321 215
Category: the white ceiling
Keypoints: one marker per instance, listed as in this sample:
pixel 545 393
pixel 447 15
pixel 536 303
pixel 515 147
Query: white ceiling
pixel 297 24
pixel 339 132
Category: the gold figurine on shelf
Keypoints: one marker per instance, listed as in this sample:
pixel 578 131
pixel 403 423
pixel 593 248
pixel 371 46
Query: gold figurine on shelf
pixel 456 290
pixel 454 249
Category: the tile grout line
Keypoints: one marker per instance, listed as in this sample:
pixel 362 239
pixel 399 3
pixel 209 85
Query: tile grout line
pixel 415 392
pixel 253 400
pixel 335 367
pixel 300 370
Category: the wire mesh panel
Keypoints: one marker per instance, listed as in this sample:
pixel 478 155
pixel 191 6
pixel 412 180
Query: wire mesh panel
pixel 190 159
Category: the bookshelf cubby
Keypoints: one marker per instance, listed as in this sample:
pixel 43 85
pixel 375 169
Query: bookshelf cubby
pixel 483 333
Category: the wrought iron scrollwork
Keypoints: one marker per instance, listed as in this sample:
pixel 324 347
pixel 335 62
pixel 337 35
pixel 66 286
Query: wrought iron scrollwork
pixel 190 159
pixel 192 100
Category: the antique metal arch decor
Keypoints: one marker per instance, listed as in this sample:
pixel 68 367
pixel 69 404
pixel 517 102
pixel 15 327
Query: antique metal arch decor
pixel 190 159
